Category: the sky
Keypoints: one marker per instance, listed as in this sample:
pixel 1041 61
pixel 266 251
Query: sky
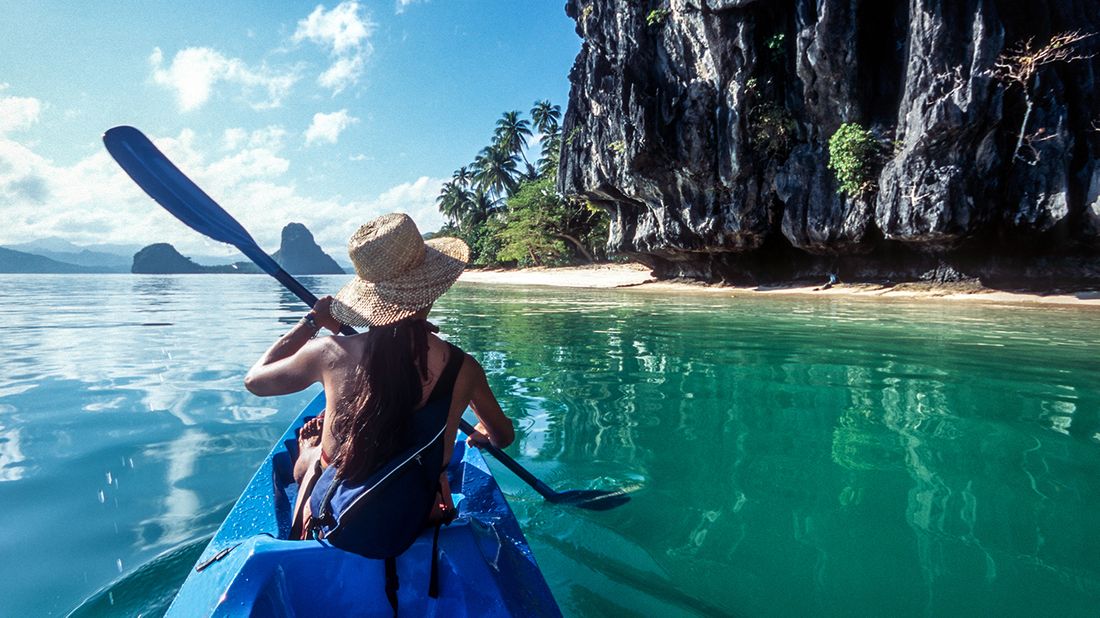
pixel 325 114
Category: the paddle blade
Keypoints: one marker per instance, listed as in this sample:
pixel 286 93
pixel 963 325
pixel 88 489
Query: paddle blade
pixel 591 499
pixel 172 189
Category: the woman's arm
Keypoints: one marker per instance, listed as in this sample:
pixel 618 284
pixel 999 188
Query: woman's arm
pixel 296 360
pixel 493 425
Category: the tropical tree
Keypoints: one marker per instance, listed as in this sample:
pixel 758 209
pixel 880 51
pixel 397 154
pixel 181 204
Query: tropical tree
pixel 511 134
pixel 528 237
pixel 463 176
pixel 545 116
pixel 452 202
pixel 508 210
pixel 540 221
pixel 482 205
pixel 495 171
pixel 551 153
pixel 531 174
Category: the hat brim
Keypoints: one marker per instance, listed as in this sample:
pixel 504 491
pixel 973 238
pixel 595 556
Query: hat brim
pixel 377 303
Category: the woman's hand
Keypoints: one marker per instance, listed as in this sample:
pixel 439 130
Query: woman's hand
pixel 322 314
pixel 479 438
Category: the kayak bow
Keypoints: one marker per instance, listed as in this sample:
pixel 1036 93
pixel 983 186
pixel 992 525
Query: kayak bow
pixel 486 567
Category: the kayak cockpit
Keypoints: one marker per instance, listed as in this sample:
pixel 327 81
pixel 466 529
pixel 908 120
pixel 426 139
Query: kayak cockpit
pixel 250 568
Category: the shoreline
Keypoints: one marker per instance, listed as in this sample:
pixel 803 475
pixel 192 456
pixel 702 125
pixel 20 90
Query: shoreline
pixel 636 277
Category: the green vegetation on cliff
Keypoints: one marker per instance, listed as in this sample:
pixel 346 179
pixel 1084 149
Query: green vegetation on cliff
pixel 854 155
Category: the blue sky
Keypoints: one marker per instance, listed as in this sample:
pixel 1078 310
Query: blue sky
pixel 327 114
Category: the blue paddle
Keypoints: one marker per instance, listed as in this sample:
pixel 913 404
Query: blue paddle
pixel 172 189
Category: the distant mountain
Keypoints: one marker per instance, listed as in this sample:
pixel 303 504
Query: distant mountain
pixel 104 257
pixel 52 243
pixel 163 259
pixel 299 253
pixel 60 245
pixel 23 262
pixel 95 260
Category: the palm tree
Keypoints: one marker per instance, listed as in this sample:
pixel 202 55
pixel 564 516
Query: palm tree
pixel 495 171
pixel 481 204
pixel 452 202
pixel 545 116
pixel 551 152
pixel 511 133
pixel 462 176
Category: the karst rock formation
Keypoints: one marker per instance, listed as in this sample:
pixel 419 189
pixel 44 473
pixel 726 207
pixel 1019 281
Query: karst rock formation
pixel 703 127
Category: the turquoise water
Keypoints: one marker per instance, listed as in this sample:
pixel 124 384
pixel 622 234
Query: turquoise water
pixel 785 456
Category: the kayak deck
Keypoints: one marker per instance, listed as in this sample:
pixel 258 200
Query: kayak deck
pixel 486 567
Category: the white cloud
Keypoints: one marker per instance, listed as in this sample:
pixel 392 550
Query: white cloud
pixel 327 127
pixel 401 4
pixel 342 29
pixel 247 164
pixel 18 113
pixel 345 32
pixel 417 199
pixel 195 71
pixel 233 138
pixel 270 137
pixel 93 201
pixel 343 73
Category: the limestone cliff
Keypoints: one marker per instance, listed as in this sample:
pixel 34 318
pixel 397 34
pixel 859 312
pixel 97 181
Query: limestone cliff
pixel 163 259
pixel 299 253
pixel 703 127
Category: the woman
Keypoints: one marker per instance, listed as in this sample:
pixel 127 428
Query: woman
pixel 375 382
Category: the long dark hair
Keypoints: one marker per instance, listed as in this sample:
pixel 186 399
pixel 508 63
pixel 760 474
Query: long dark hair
pixel 375 421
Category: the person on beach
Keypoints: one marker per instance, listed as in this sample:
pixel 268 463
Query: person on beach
pixel 376 382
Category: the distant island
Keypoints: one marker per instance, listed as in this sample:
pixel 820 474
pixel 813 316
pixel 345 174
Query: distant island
pixel 12 261
pixel 163 259
pixel 298 254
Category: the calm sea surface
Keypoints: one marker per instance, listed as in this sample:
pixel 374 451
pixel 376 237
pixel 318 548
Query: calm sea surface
pixel 786 456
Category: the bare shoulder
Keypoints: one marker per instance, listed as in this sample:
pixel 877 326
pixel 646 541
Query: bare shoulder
pixel 338 349
pixel 471 370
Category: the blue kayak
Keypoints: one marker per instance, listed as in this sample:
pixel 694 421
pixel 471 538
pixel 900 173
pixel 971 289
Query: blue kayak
pixel 486 567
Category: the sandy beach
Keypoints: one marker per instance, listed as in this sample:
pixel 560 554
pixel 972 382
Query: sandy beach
pixel 596 276
pixel 637 277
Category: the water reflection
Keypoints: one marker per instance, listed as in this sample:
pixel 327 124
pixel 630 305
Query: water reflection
pixel 786 457
pixel 12 461
pixel 155 290
pixel 139 437
pixel 829 448
pixel 289 303
pixel 180 504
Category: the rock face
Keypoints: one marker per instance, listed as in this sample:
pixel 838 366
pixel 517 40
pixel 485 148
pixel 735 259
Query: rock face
pixel 163 259
pixel 703 127
pixel 299 253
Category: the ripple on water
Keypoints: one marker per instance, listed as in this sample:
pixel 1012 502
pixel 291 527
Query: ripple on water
pixel 784 456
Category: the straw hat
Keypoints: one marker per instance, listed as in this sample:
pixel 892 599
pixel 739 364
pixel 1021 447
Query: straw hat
pixel 398 272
